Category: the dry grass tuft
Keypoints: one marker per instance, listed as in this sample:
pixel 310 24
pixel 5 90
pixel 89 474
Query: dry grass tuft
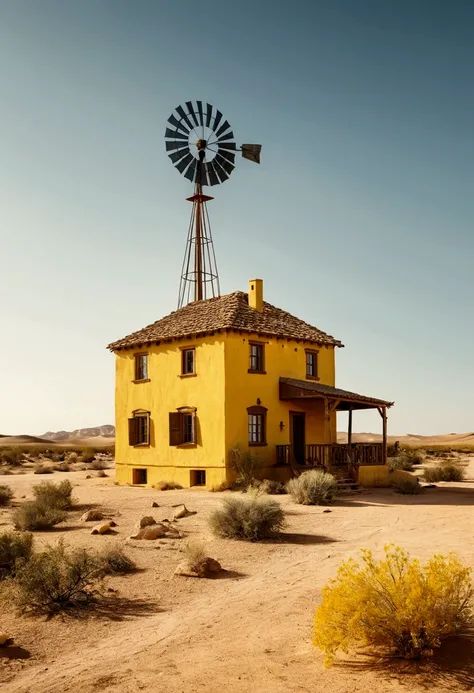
pixel 313 488
pixel 247 518
pixel 13 547
pixel 447 471
pixel 167 486
pixel 33 515
pixel 114 561
pixel 6 495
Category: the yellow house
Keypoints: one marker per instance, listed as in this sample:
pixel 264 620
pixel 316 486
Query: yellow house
pixel 226 373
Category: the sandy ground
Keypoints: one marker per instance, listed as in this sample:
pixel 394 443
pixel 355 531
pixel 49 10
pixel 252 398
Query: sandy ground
pixel 248 631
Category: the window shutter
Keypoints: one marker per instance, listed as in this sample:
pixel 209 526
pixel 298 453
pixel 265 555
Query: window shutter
pixel 176 428
pixel 133 431
pixel 194 438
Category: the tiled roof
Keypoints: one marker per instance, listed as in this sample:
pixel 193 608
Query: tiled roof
pixel 230 312
pixel 310 387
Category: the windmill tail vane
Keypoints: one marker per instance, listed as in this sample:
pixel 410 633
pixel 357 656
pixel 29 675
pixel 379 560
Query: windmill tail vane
pixel 201 145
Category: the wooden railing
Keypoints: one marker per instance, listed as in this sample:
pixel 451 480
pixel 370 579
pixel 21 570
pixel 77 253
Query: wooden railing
pixel 333 455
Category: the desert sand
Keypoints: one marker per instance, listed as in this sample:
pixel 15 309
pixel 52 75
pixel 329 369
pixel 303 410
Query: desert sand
pixel 247 631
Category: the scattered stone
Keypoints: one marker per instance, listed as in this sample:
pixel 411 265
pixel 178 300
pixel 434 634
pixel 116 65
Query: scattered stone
pixel 428 485
pixel 151 532
pixel 147 521
pixel 88 476
pixel 5 639
pixel 104 527
pixel 92 516
pixel 327 510
pixel 182 511
pixel 207 568
pixel 155 505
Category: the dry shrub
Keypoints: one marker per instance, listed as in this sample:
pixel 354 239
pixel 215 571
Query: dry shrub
pixel 62 467
pixel 245 466
pixel 87 455
pixel 313 488
pixel 42 469
pixel 167 486
pixel 396 604
pixel 447 471
pixel 406 459
pixel 407 486
pixel 14 458
pixel 114 561
pixel 34 515
pixel 13 547
pixel 247 518
pixel 72 457
pixel 223 486
pixel 6 495
pixel 196 556
pixel 272 488
pixel 6 472
pixel 57 580
pixel 53 495
pixel 101 474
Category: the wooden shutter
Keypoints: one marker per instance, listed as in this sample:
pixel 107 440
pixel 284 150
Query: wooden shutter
pixel 176 428
pixel 133 431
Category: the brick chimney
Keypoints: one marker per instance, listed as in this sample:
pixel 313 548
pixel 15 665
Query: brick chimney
pixel 256 294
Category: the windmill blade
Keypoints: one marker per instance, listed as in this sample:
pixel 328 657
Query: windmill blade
pixel 229 156
pixel 191 172
pixel 191 112
pixel 217 120
pixel 174 145
pixel 184 163
pixel 227 145
pixel 229 136
pixel 252 152
pixel 179 126
pixel 211 174
pixel 184 116
pixel 225 126
pixel 176 156
pixel 175 135
pixel 199 106
pixel 220 171
pixel 226 165
pixel 208 115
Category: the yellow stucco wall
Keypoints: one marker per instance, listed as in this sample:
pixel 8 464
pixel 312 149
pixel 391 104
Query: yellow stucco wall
pixel 165 392
pixel 380 475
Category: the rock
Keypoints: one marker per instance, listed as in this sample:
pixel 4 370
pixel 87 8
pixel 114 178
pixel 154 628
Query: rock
pixel 327 510
pixel 92 515
pixel 155 505
pixel 103 527
pixel 209 567
pixel 5 639
pixel 88 476
pixel 182 511
pixel 151 532
pixel 147 521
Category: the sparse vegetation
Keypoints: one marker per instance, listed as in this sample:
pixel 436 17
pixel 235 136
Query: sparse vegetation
pixel 72 457
pixel 98 465
pixel 6 495
pixel 271 487
pixel 408 486
pixel 33 515
pixel 52 495
pixel 245 466
pixel 88 455
pixel 247 518
pixel 313 488
pixel 13 547
pixel 41 468
pixel 447 471
pixel 167 486
pixel 223 486
pixel 11 457
pixel 57 580
pixel 396 604
pixel 114 561
pixel 62 467
pixel 196 556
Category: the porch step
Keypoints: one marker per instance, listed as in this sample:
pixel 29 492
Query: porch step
pixel 347 485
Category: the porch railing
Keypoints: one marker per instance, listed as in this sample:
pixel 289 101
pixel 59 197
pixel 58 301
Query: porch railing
pixel 327 455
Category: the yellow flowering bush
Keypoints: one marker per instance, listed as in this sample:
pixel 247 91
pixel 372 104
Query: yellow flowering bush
pixel 396 604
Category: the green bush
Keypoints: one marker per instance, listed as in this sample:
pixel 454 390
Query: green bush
pixel 408 486
pixel 447 471
pixel 313 488
pixel 247 518
pixel 33 515
pixel 114 561
pixel 6 495
pixel 53 495
pixel 57 580
pixel 13 547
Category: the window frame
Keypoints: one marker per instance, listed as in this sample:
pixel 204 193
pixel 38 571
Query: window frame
pixel 177 427
pixel 134 437
pixel 261 346
pixel 258 411
pixel 136 357
pixel 184 351
pixel 315 354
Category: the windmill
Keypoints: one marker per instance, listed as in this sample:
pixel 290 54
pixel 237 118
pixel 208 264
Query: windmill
pixel 201 145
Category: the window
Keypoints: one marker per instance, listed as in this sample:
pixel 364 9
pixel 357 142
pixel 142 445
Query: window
pixel 187 362
pixel 141 367
pixel 257 425
pixel 182 424
pixel 197 477
pixel 139 428
pixel 139 476
pixel 257 357
pixel 311 364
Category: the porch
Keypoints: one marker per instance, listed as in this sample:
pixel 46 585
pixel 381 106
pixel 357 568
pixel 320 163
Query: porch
pixel 329 456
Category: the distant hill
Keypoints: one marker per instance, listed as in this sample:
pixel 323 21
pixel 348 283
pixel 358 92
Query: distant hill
pixel 107 431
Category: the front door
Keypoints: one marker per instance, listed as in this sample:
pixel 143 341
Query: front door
pixel 297 428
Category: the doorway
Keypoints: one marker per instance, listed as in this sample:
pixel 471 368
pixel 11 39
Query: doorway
pixel 298 436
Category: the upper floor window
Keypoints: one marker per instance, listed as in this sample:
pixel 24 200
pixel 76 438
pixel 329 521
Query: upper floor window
pixel 311 364
pixel 257 357
pixel 188 361
pixel 139 428
pixel 257 425
pixel 141 367
pixel 182 426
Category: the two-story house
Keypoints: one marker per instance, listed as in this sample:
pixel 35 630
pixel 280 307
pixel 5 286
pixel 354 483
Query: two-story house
pixel 230 372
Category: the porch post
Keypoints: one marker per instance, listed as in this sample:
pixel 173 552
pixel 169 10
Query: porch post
pixel 384 435
pixel 349 433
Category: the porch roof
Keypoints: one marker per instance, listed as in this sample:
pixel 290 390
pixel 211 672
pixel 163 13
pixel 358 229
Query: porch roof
pixel 308 389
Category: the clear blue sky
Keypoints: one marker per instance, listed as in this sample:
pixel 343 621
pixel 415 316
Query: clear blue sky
pixel 359 220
